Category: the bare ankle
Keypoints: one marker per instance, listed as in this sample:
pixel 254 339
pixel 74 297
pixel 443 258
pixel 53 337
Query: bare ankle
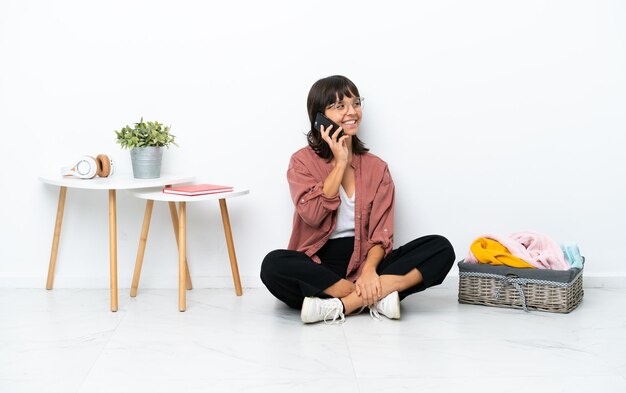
pixel 351 303
pixel 340 289
pixel 392 283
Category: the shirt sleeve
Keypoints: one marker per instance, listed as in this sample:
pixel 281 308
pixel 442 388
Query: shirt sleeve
pixel 381 216
pixel 308 195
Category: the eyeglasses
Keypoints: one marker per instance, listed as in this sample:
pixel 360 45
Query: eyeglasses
pixel 342 106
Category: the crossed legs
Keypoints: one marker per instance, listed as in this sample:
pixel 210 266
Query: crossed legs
pixel 291 275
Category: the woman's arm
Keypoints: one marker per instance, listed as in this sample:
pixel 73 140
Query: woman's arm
pixel 368 284
pixel 380 228
pixel 380 237
pixel 334 179
pixel 341 156
pixel 314 198
pixel 307 193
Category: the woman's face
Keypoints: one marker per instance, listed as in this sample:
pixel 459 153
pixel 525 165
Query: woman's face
pixel 347 113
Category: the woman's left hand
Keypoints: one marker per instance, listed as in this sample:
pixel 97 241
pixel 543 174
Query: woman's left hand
pixel 368 287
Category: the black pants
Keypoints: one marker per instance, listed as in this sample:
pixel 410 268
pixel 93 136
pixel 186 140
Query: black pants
pixel 292 275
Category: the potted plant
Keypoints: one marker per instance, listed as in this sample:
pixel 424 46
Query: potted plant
pixel 146 141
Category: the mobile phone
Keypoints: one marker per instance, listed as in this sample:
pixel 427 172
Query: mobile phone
pixel 322 120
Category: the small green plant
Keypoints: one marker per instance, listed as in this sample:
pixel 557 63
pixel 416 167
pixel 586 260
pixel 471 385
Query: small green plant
pixel 145 134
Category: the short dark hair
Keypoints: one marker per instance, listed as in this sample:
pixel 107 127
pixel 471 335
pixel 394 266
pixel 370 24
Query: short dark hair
pixel 325 92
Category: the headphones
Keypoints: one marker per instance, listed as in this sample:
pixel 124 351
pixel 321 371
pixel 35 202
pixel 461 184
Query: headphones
pixel 88 167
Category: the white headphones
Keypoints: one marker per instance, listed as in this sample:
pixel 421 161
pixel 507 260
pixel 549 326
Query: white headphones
pixel 88 167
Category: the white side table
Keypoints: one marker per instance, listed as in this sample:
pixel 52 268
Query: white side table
pixel 111 184
pixel 184 282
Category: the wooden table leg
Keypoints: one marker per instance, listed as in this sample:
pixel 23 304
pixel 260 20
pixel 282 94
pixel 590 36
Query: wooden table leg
pixel 182 253
pixel 113 248
pixel 174 216
pixel 143 239
pixel 231 247
pixel 56 237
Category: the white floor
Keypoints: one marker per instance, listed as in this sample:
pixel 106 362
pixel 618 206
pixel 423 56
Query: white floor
pixel 66 341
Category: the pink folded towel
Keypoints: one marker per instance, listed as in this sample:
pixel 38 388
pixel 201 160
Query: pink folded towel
pixel 536 249
pixel 544 251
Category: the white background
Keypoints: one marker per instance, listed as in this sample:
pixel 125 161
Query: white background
pixel 494 116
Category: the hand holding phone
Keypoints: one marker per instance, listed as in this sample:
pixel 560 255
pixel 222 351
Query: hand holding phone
pixel 322 120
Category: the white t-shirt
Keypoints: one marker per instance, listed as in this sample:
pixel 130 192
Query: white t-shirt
pixel 345 216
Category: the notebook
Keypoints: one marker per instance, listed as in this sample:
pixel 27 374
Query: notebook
pixel 197 189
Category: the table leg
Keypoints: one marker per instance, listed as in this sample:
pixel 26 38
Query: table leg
pixel 56 237
pixel 182 251
pixel 113 247
pixel 174 216
pixel 231 247
pixel 142 247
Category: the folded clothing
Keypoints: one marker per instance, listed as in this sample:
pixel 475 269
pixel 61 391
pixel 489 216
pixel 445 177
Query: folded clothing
pixel 494 253
pixel 572 255
pixel 543 250
pixel 516 249
pixel 535 249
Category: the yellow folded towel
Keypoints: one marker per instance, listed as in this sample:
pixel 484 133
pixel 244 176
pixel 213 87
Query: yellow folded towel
pixel 494 253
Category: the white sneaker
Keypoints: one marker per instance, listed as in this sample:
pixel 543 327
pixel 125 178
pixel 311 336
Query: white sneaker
pixel 389 306
pixel 315 309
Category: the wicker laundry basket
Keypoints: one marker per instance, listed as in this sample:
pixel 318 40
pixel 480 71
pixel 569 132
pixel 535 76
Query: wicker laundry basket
pixel 527 289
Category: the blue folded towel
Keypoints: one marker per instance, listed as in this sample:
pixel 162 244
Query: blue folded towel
pixel 572 255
